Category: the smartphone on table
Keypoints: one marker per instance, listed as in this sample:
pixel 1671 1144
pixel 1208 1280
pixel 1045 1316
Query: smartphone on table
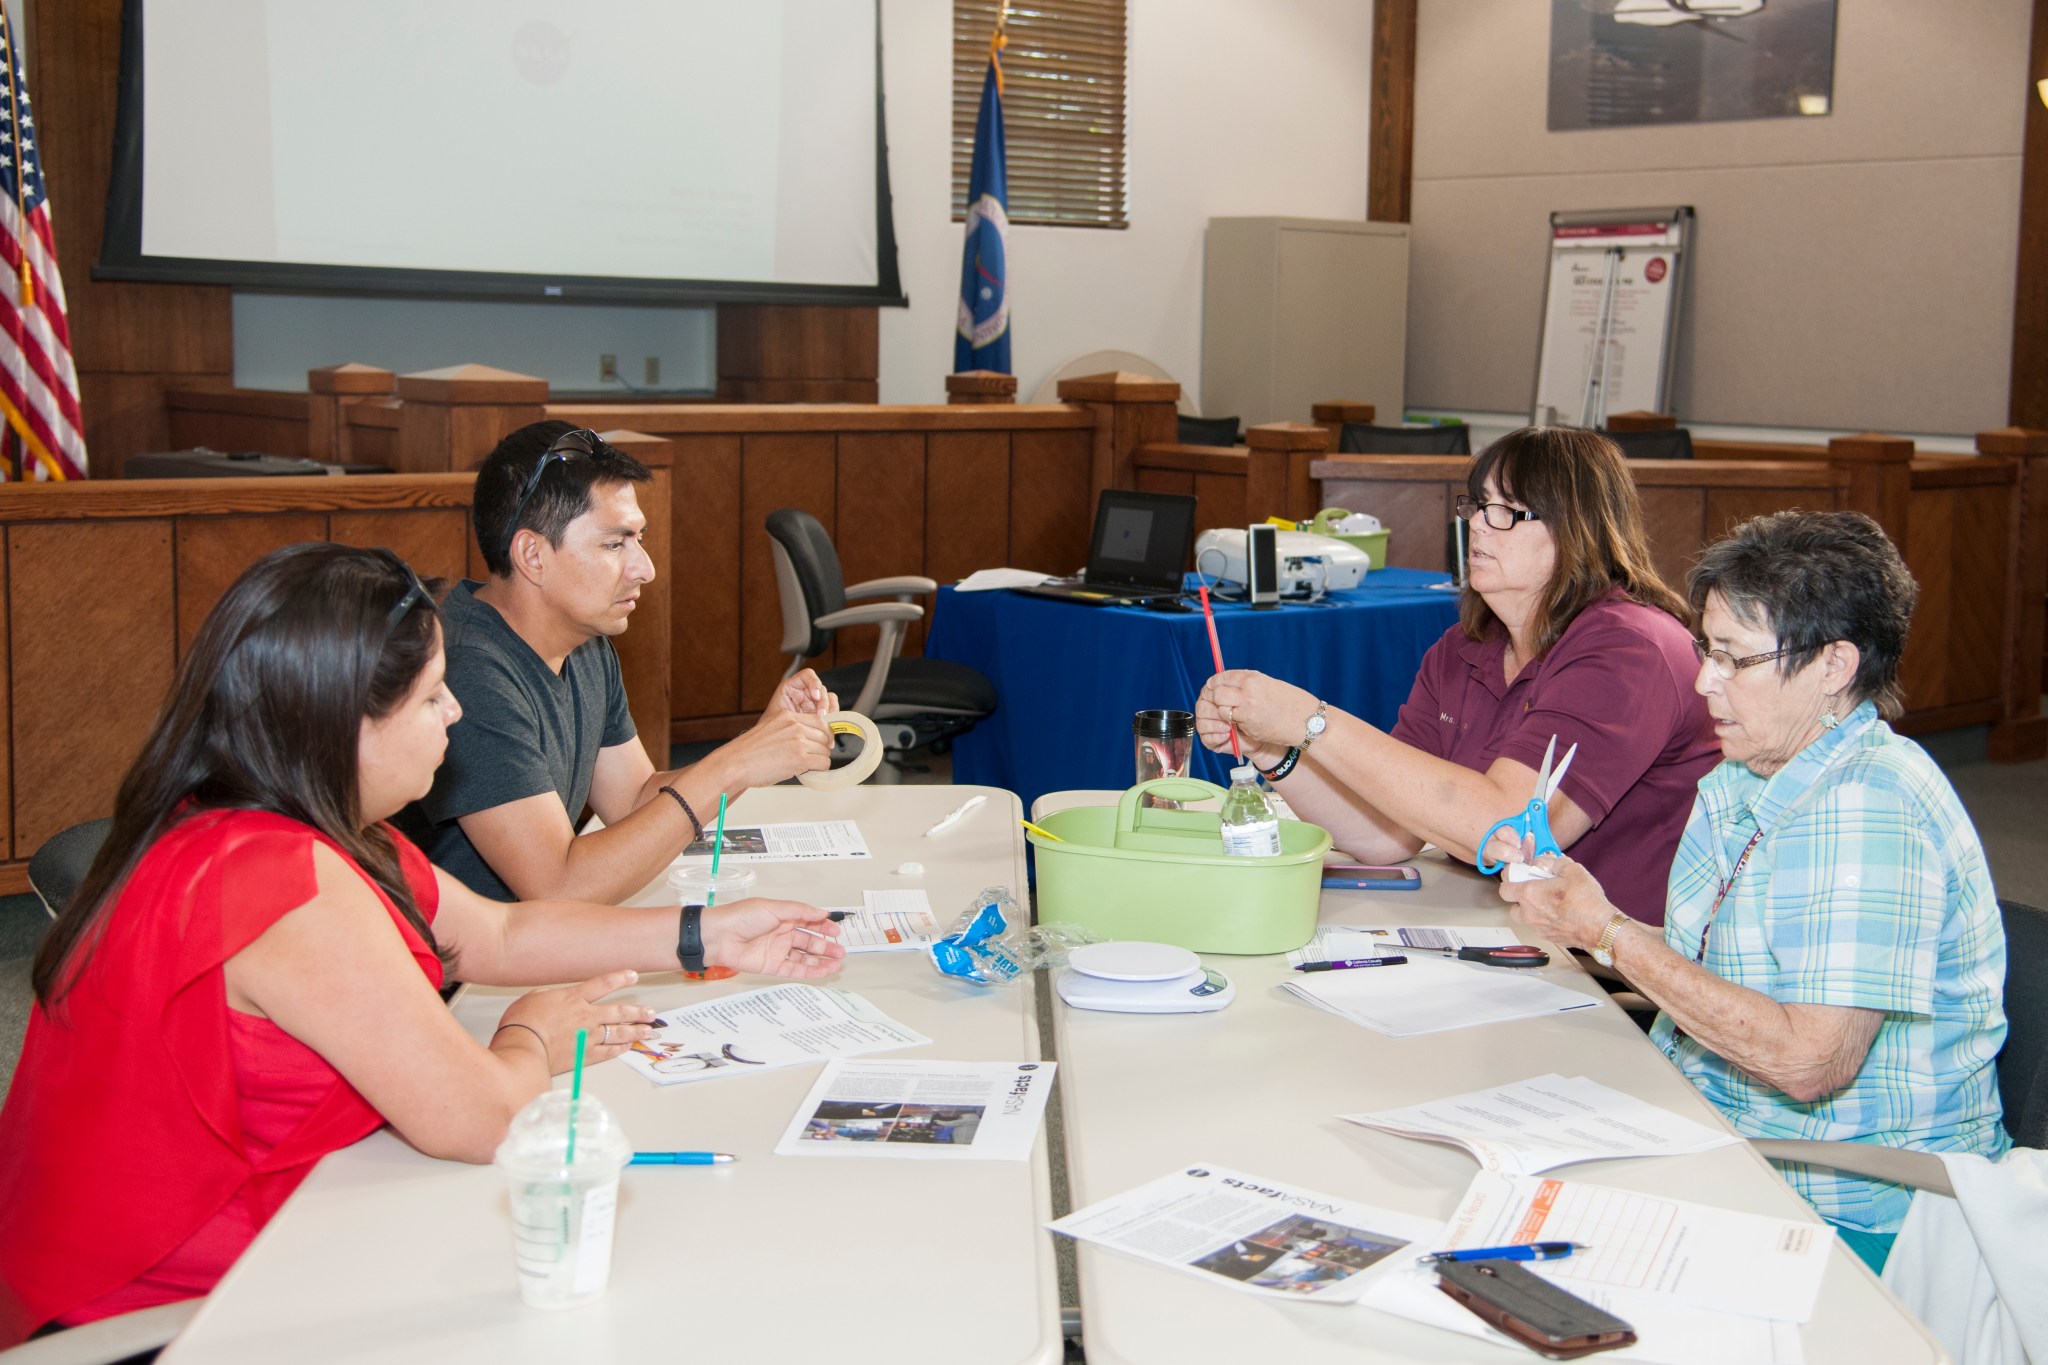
pixel 1366 877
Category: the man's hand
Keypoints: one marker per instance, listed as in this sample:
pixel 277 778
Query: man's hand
pixel 803 693
pixel 773 938
pixel 784 744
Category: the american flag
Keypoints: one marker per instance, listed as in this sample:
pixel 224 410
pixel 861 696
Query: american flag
pixel 38 383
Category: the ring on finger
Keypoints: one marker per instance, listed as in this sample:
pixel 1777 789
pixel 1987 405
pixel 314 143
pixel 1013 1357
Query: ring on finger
pixel 606 1040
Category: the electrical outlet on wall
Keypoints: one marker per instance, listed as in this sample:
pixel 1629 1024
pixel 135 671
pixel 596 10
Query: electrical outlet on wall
pixel 607 369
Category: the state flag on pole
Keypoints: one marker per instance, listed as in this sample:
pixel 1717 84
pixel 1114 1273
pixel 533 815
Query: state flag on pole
pixel 983 339
pixel 38 384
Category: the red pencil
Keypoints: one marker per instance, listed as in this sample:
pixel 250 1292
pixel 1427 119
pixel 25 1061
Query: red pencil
pixel 1216 649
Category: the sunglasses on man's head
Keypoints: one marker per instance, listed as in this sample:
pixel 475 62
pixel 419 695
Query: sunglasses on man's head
pixel 581 443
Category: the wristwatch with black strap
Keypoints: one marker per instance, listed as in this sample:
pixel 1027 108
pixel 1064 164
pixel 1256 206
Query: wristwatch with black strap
pixel 690 939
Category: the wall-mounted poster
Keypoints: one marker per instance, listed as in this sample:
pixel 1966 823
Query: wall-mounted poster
pixel 1615 63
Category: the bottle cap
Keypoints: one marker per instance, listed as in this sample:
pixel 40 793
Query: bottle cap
pixel 1247 773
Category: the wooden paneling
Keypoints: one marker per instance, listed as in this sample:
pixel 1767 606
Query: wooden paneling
pixel 798 341
pixel 881 525
pixel 435 543
pixel 705 556
pixel 1672 518
pixel 1052 510
pixel 967 503
pixel 775 471
pixel 125 414
pixel 213 551
pixel 91 658
pixel 1390 167
pixel 799 391
pixel 1219 501
pixel 1931 539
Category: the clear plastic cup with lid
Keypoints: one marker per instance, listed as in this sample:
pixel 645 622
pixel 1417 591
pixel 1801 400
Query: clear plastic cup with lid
pixel 562 1209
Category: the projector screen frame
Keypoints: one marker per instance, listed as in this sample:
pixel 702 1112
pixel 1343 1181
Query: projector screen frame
pixel 122 259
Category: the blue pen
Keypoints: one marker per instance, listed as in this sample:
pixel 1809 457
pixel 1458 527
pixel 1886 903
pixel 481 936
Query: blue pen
pixel 1529 1251
pixel 681 1158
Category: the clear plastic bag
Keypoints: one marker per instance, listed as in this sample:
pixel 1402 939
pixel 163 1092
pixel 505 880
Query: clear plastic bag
pixel 983 947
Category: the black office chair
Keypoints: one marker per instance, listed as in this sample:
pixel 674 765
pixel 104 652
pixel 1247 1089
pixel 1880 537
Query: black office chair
pixel 2022 1073
pixel 1675 443
pixel 1207 431
pixel 1359 439
pixel 914 702
pixel 57 868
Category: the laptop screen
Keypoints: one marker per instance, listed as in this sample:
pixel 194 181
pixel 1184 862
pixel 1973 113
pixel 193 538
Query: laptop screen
pixel 1141 539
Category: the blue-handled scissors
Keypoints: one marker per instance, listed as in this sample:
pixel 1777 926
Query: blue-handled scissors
pixel 1535 820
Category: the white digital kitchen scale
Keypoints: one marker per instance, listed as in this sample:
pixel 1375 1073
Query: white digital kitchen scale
pixel 1141 978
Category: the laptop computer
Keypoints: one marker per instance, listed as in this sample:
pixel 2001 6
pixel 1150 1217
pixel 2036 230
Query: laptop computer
pixel 1138 553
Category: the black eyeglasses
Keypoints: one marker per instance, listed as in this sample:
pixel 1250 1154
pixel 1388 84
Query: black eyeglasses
pixel 1726 665
pixel 415 593
pixel 581 443
pixel 1499 515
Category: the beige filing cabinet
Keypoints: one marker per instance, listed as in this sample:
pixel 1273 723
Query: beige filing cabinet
pixel 1297 311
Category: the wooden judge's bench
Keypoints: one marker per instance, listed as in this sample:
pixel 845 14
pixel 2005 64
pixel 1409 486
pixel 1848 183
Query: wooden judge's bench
pixel 103 583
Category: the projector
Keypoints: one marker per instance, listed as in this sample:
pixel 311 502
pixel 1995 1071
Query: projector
pixel 1308 562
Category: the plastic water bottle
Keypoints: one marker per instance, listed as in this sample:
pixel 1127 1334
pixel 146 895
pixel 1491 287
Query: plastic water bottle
pixel 1250 828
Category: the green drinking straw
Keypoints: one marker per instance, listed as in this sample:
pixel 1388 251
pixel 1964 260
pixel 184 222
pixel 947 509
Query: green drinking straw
pixel 576 1093
pixel 717 847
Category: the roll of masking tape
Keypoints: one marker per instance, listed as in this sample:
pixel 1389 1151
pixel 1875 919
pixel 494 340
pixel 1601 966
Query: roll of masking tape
pixel 862 767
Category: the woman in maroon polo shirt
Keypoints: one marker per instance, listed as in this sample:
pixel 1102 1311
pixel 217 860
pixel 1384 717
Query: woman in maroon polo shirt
pixel 1565 629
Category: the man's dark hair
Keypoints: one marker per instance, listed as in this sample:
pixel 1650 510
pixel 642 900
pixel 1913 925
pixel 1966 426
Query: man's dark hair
pixel 561 496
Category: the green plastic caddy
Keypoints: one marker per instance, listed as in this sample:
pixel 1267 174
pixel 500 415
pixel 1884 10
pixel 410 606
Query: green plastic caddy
pixel 1132 871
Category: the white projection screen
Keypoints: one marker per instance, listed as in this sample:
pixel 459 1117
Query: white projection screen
pixel 656 150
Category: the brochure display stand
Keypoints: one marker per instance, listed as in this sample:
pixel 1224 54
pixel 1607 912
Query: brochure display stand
pixel 1610 314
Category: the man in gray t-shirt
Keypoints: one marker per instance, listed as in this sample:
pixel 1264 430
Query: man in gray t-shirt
pixel 545 730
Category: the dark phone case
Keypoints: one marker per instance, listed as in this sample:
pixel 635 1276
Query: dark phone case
pixel 1532 1310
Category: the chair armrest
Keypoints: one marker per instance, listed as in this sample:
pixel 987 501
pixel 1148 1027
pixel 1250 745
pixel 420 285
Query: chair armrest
pixel 905 585
pixel 871 615
pixel 109 1339
pixel 1919 1170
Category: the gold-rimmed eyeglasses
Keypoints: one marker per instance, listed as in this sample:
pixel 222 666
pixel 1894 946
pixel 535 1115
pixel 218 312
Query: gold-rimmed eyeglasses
pixel 1726 665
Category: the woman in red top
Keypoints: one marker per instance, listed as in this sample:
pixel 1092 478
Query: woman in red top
pixel 248 977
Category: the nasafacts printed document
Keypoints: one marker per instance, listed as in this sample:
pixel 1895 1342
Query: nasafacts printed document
pixel 922 1111
pixel 1252 1234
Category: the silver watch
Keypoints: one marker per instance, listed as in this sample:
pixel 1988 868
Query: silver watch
pixel 1317 723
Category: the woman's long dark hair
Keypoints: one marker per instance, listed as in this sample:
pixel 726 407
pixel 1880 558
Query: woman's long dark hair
pixel 265 714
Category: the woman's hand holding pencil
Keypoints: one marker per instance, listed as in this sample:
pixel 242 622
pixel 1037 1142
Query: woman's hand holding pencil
pixel 1265 714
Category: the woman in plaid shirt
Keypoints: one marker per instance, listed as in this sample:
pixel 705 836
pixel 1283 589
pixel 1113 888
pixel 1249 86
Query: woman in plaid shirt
pixel 1832 964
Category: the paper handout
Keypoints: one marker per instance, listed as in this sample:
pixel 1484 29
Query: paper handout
pixel 890 922
pixel 1707 1257
pixel 1249 1233
pixel 762 1029
pixel 1537 1125
pixel 922 1110
pixel 794 842
pixel 1429 995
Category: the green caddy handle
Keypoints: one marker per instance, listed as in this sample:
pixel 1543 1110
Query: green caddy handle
pixel 1130 808
pixel 1325 521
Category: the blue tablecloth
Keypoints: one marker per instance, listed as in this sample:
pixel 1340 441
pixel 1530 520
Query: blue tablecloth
pixel 1069 677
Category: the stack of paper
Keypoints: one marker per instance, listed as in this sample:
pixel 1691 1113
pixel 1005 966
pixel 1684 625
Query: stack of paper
pixel 923 1111
pixel 1430 995
pixel 1551 1121
pixel 1700 1285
